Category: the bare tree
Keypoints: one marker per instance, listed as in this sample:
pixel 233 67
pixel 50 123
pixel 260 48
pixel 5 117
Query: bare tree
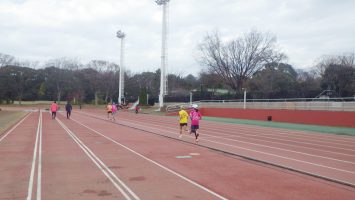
pixel 6 59
pixel 105 80
pixel 239 59
pixel 25 63
pixel 337 73
pixel 60 70
pixel 327 60
pixel 71 64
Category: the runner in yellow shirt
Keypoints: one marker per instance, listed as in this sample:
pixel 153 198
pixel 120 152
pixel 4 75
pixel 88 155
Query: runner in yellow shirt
pixel 183 119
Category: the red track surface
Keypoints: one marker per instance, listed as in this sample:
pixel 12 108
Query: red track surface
pixel 89 157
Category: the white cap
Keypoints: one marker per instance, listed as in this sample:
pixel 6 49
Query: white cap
pixel 194 106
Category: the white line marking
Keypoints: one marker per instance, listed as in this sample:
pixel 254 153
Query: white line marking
pixel 270 155
pixel 234 146
pixel 281 156
pixel 292 138
pixel 13 128
pixel 302 153
pixel 39 169
pixel 296 134
pixel 30 184
pixel 262 134
pixel 287 166
pixel 276 131
pixel 152 161
pixel 291 145
pixel 323 157
pixel 102 167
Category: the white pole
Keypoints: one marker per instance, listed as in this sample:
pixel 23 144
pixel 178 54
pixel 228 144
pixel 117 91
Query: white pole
pixel 163 89
pixel 147 98
pixel 245 98
pixel 122 71
pixel 190 97
pixel 122 36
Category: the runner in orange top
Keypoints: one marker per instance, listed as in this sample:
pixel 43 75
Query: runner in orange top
pixel 54 108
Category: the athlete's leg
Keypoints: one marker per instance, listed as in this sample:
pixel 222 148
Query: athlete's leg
pixel 180 130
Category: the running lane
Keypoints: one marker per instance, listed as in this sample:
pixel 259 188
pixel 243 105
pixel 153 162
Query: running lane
pixel 67 171
pixel 232 177
pixel 147 179
pixel 16 155
pixel 331 156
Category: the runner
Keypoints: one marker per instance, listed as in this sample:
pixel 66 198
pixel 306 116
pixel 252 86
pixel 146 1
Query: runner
pixel 183 119
pixel 54 108
pixel 137 109
pixel 109 110
pixel 114 110
pixel 195 117
pixel 68 108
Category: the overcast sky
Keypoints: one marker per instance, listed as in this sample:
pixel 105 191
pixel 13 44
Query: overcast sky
pixel 86 29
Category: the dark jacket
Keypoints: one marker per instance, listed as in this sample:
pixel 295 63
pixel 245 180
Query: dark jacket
pixel 68 107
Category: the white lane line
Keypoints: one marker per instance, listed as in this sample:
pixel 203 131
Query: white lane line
pixel 156 163
pixel 282 149
pixel 291 138
pixel 270 154
pixel 242 136
pixel 279 132
pixel 320 137
pixel 104 169
pixel 39 168
pixel 283 165
pixel 262 134
pixel 30 184
pixel 245 136
pixel 255 144
pixel 13 128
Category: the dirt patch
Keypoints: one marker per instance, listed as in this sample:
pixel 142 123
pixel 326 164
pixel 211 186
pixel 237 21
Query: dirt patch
pixel 9 118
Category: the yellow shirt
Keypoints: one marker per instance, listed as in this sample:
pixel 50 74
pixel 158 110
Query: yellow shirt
pixel 183 116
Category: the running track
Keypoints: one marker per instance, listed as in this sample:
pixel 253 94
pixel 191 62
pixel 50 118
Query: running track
pixel 89 157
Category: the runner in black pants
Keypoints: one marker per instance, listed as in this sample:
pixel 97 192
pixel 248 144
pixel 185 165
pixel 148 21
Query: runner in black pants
pixel 68 108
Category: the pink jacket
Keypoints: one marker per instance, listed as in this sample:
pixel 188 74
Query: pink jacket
pixel 195 117
pixel 114 108
pixel 54 107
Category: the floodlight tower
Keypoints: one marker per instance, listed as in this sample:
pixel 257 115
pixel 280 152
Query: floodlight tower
pixel 164 56
pixel 122 36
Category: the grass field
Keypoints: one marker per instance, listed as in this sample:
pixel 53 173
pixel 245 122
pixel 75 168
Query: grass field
pixel 9 118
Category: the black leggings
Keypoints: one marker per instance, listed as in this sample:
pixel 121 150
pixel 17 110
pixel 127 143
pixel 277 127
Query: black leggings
pixel 54 114
pixel 194 130
pixel 68 114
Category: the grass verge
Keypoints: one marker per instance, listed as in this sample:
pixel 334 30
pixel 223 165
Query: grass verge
pixel 9 118
pixel 302 127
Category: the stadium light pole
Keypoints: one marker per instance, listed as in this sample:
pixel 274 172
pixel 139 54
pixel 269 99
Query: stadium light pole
pixel 163 79
pixel 121 35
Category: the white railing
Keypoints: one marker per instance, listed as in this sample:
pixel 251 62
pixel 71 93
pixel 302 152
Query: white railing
pixel 331 104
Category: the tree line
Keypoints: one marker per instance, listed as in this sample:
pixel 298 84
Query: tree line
pixel 251 62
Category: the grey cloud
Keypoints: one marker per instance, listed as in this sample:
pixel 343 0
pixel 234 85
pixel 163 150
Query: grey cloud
pixel 41 29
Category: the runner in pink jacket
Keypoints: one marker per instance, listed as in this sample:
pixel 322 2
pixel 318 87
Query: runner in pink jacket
pixel 54 109
pixel 195 117
pixel 114 110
